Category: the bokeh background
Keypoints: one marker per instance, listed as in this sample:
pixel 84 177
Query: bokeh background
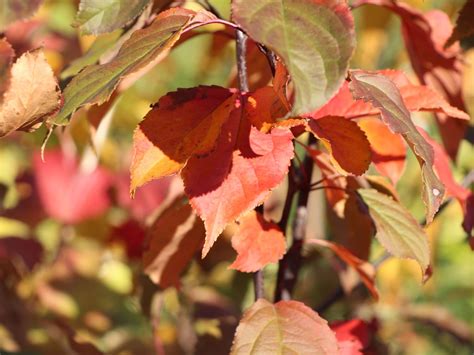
pixel 71 278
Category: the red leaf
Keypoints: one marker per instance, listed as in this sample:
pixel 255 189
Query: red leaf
pixel 183 124
pixel 132 235
pixel 67 193
pixel 257 243
pixel 435 66
pixel 238 175
pixel 353 336
pixel 174 238
pixel 365 270
pixel 388 148
pixel 345 141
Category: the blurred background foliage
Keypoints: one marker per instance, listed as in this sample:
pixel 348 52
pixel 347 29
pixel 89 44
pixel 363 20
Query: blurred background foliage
pixel 77 286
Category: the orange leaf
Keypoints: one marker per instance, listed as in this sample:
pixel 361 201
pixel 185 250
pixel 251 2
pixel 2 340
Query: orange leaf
pixel 6 59
pixel 365 270
pixel 238 175
pixel 174 238
pixel 32 94
pixel 257 243
pixel 345 141
pixel 183 124
pixel 287 327
pixel 388 148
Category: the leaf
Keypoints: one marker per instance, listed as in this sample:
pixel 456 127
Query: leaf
pixel 332 179
pixel 464 25
pixel 345 141
pixel 388 149
pixel 437 67
pixel 6 59
pixel 365 270
pixel 174 238
pixel 264 107
pixel 95 83
pixel 183 124
pixel 287 327
pixel 384 95
pixel 459 192
pixel 100 46
pixel 14 10
pixel 353 336
pixel 314 38
pixel 67 193
pixel 101 16
pixel 397 229
pixel 32 95
pixel 238 175
pixel 257 243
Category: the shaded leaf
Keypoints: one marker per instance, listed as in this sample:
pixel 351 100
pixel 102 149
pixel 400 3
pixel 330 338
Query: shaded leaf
pixel 32 94
pixel 96 83
pixel 397 229
pixel 14 10
pixel 238 175
pixel 365 270
pixel 384 95
pixel 315 39
pixel 264 107
pixel 345 141
pixel 67 193
pixel 6 59
pixel 100 16
pixel 388 148
pixel 464 24
pixel 173 240
pixel 183 124
pixel 287 327
pixel 257 243
pixel 332 179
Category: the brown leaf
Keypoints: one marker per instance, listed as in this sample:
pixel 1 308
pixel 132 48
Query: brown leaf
pixel 32 96
pixel 174 238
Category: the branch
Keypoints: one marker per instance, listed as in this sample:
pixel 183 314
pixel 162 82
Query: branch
pixel 290 265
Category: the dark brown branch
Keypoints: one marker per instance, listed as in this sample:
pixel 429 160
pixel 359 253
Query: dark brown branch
pixel 290 265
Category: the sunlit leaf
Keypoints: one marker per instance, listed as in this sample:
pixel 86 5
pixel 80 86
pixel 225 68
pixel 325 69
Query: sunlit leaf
pixel 100 16
pixel 287 327
pixel 397 229
pixel 384 95
pixel 183 124
pixel 257 243
pixel 345 141
pixel 32 94
pixel 96 83
pixel 238 175
pixel 314 38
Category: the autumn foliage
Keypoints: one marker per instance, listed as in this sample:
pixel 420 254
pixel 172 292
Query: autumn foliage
pixel 162 185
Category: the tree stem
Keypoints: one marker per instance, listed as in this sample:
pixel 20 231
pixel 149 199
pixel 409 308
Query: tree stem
pixel 289 266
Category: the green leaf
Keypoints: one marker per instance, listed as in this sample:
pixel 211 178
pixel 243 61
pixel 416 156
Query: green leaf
pixel 315 39
pixel 96 83
pixel 100 46
pixel 14 10
pixel 101 16
pixel 384 95
pixel 397 229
